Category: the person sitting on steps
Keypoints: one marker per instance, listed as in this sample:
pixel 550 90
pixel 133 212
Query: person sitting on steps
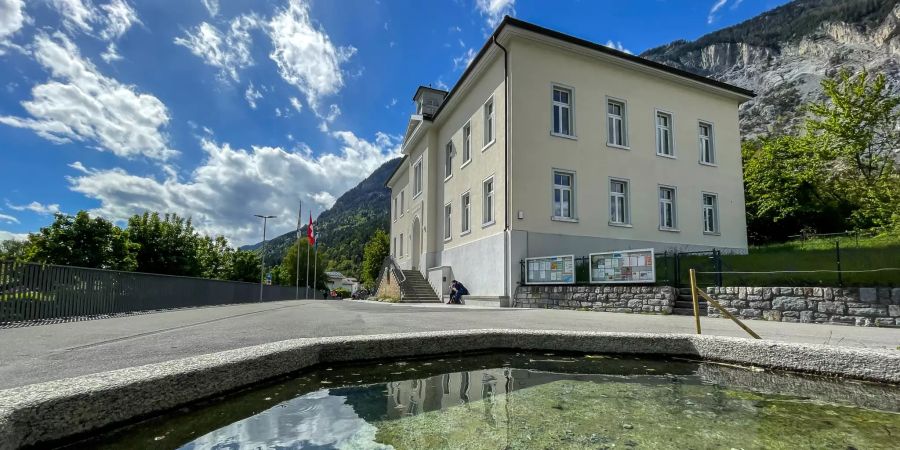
pixel 457 290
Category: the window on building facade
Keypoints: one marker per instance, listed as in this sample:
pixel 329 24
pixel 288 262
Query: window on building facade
pixel 562 111
pixel 467 143
pixel 394 248
pixel 417 178
pixel 488 201
pixel 707 152
pixel 448 213
pixel 615 123
pixel 402 202
pixel 401 245
pixel 710 213
pixel 489 122
pixel 618 202
pixel 448 160
pixel 466 212
pixel 664 144
pixel 667 208
pixel 563 190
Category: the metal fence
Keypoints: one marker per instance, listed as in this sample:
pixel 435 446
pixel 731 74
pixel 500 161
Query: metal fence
pixel 34 292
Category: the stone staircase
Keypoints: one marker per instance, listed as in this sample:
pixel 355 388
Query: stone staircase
pixel 416 289
pixel 684 306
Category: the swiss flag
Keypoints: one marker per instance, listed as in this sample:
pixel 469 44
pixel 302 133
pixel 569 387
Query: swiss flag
pixel 310 234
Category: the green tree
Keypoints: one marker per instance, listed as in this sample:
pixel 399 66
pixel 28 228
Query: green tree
pixel 167 245
pixel 12 250
pixel 857 136
pixel 82 241
pixel 289 265
pixel 378 248
pixel 242 265
pixel 213 257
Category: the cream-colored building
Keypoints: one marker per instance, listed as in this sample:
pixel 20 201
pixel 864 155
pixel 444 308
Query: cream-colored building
pixel 552 145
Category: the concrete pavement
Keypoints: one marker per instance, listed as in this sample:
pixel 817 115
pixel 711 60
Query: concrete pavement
pixel 49 352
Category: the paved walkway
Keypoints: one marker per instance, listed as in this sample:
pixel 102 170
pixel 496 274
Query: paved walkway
pixel 47 352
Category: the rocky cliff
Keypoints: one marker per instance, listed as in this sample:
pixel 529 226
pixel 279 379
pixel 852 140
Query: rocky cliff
pixel 784 54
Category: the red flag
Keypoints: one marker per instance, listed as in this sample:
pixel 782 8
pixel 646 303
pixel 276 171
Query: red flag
pixel 310 234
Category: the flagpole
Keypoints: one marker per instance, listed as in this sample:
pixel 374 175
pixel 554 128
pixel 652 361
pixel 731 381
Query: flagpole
pixel 307 266
pixel 316 266
pixel 297 272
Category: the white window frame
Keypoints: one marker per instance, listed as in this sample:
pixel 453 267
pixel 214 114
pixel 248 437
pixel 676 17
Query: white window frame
pixel 401 245
pixel 418 175
pixel 467 144
pixel 671 129
pixel 623 118
pixel 490 131
pixel 465 220
pixel 402 201
pixel 396 207
pixel 448 221
pixel 554 104
pixel 572 217
pixel 448 160
pixel 626 202
pixel 710 141
pixel 488 205
pixel 715 213
pixel 673 202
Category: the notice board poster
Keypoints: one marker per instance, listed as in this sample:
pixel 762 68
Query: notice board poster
pixel 550 270
pixel 625 266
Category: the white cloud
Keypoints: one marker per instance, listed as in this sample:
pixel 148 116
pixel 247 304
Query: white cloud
pixel 462 61
pixel 36 208
pixel 494 10
pixel 711 17
pixel 305 55
pixel 9 236
pixel 120 16
pixel 12 18
pixel 212 6
pixel 295 102
pixel 252 95
pixel 440 84
pixel 232 184
pixel 392 103
pixel 617 45
pixel 229 51
pixel 114 18
pixel 8 219
pixel 81 104
pixel 111 54
pixel 324 198
pixel 76 14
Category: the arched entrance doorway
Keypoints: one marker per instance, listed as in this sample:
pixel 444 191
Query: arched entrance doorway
pixel 416 242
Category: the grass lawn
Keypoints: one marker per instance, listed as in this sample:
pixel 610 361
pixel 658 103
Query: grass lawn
pixel 857 253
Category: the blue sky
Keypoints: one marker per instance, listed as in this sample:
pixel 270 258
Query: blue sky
pixel 219 109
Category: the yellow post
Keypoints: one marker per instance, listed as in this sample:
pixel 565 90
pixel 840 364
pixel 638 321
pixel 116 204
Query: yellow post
pixel 727 314
pixel 694 299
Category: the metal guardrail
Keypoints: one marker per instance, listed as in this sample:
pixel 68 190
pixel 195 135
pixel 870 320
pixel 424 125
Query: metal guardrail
pixel 35 292
pixel 391 265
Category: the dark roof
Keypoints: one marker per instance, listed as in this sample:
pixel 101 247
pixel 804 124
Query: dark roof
pixel 427 88
pixel 509 21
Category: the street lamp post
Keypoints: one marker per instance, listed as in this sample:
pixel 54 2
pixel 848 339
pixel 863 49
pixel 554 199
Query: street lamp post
pixel 262 259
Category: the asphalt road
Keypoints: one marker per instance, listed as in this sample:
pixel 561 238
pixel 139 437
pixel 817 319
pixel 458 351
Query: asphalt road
pixel 47 352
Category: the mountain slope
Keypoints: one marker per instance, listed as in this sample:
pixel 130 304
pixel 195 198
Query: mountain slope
pixel 783 54
pixel 345 228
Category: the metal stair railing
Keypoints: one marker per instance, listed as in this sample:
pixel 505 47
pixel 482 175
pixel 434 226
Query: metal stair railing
pixel 390 264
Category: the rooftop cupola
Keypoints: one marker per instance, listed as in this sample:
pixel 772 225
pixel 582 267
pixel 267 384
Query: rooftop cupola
pixel 428 100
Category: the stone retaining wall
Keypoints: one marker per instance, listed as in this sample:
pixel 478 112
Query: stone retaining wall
pixel 623 298
pixel 864 307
